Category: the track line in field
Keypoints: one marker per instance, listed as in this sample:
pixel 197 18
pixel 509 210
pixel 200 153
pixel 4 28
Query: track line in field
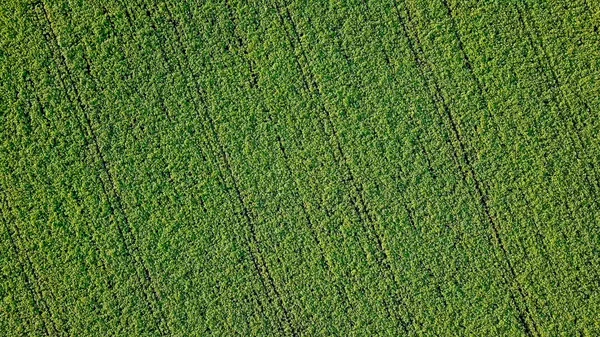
pixel 419 59
pixel 166 61
pixel 419 139
pixel 547 68
pixel 35 296
pixel 530 327
pixel 159 96
pixel 35 282
pixel 200 94
pixel 161 101
pixel 481 196
pixel 483 200
pixel 120 206
pixel 320 245
pixel 533 34
pixel 434 90
pixel 478 83
pixel 254 84
pixel 557 86
pixel 252 242
pixel 313 89
pixel 485 103
pixel 91 133
pixel 252 245
pixel 255 250
pixel 170 117
pixel 131 247
pixel 564 202
pixel 123 237
pixel 403 173
pixel 358 202
pixel 94 244
pixel 155 31
pixel 90 234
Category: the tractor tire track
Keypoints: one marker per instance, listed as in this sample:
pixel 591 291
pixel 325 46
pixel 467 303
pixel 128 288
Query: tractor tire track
pixel 170 116
pixel 252 245
pixel 252 241
pixel 35 282
pixel 396 177
pixel 29 283
pixel 227 189
pixel 480 92
pixel 163 107
pixel 298 195
pixel 557 87
pixel 530 330
pixel 130 247
pixel 90 234
pixel 532 33
pixel 541 238
pixel 358 202
pixel 525 316
pixel 419 138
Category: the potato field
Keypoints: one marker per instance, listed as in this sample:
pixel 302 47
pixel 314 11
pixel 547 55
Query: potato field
pixel 299 168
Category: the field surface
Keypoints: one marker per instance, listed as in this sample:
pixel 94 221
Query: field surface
pixel 295 168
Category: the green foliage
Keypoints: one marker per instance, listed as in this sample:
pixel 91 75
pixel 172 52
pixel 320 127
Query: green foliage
pixel 341 168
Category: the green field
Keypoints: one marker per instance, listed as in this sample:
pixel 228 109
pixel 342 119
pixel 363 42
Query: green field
pixel 295 168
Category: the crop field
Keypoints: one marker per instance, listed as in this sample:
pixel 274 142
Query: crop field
pixel 296 168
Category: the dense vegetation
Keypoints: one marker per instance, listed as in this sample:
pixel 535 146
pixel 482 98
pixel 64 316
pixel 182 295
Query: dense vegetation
pixel 397 168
